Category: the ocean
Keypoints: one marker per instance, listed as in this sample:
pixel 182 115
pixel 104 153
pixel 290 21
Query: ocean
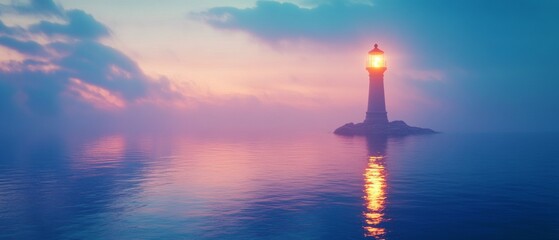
pixel 300 186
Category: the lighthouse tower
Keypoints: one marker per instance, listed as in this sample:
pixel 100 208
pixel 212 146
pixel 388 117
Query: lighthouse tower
pixel 376 109
pixel 376 121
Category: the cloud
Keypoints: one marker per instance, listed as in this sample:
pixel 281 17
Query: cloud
pixel 10 31
pixel 90 69
pixel 96 96
pixel 79 25
pixel 64 71
pixel 25 47
pixel 106 67
pixel 39 7
pixel 274 21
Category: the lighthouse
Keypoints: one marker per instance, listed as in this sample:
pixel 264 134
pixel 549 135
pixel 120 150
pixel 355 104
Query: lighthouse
pixel 376 108
pixel 376 119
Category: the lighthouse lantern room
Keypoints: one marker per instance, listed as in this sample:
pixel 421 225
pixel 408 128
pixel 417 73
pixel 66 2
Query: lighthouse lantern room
pixel 375 59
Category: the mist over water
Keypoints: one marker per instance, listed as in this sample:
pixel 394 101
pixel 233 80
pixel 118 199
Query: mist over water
pixel 305 186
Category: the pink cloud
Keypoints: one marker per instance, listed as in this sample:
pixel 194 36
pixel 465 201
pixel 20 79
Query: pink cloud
pixel 98 97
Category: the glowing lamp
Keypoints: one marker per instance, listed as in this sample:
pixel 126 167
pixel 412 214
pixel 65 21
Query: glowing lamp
pixel 375 59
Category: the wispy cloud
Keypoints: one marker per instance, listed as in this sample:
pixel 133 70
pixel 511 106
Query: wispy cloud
pixel 36 7
pixel 24 47
pixel 273 21
pixel 78 24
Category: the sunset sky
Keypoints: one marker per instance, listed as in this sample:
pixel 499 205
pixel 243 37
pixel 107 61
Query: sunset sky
pixel 244 65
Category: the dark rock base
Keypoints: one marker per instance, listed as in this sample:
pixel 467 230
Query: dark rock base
pixel 394 128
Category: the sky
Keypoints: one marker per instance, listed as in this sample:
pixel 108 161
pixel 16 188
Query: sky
pixel 245 65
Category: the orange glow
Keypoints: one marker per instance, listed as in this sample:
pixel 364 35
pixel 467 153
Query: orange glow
pixel 375 196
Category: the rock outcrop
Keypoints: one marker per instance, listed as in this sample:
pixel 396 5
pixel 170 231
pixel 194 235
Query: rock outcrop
pixel 394 128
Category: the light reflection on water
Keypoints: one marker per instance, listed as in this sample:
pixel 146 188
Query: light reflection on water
pixel 375 196
pixel 316 186
pixel 375 187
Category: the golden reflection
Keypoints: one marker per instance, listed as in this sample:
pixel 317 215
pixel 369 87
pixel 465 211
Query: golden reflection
pixel 375 190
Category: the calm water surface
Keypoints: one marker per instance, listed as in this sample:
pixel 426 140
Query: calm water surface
pixel 313 186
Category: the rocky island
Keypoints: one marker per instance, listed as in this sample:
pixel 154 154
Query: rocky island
pixel 394 128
